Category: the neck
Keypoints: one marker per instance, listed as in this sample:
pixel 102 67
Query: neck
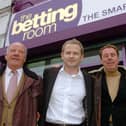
pixel 13 68
pixel 112 73
pixel 71 70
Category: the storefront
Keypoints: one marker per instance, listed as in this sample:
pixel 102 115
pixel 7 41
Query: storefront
pixel 44 28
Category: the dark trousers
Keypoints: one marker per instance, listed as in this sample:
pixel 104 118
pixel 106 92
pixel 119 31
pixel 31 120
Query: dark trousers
pixel 110 124
pixel 52 124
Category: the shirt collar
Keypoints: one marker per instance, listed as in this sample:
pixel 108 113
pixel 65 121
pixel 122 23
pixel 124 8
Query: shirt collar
pixel 8 70
pixel 79 74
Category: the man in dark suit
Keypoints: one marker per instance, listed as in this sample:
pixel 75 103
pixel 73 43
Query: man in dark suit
pixel 68 91
pixel 19 89
pixel 110 88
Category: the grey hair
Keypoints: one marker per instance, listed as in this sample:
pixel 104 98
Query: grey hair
pixel 8 48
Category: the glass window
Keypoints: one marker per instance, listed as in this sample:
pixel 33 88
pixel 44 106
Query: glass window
pixel 37 67
pixel 55 61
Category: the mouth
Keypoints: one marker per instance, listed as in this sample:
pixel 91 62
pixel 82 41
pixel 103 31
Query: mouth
pixel 15 59
pixel 110 64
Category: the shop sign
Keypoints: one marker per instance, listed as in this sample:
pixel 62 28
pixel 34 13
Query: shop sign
pixel 57 15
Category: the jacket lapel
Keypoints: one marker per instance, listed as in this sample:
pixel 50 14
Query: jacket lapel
pixel 49 83
pixel 87 100
pixel 1 92
pixel 27 82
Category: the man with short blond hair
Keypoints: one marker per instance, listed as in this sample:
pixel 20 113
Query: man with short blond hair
pixel 68 91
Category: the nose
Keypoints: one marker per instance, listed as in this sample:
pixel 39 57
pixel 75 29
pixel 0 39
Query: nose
pixel 16 52
pixel 109 56
pixel 71 55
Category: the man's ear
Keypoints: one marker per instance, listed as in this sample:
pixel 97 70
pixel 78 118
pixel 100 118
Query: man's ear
pixel 5 57
pixel 82 57
pixel 25 59
pixel 61 54
pixel 101 61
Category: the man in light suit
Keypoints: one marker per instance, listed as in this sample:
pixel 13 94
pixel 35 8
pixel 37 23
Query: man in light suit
pixel 68 91
pixel 21 109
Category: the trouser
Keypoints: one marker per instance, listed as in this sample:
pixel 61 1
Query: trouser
pixel 110 124
pixel 53 124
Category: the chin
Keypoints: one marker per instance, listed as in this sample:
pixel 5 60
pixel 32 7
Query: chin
pixel 111 69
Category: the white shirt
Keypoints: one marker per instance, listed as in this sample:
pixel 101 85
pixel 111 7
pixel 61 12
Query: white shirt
pixel 8 75
pixel 66 104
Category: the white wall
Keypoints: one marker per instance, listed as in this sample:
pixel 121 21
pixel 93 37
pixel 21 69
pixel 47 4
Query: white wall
pixel 5 13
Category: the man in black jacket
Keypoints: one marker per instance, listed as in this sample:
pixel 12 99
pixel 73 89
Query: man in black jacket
pixel 68 91
pixel 110 89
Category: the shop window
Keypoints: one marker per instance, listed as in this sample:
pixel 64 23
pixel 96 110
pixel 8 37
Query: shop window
pixel 37 67
pixel 56 61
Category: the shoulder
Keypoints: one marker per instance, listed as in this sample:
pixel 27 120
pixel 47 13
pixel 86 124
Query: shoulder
pixel 52 69
pixel 86 75
pixel 96 71
pixel 122 69
pixel 2 68
pixel 30 73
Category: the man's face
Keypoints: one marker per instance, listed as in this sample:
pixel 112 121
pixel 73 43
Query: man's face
pixel 16 56
pixel 71 55
pixel 110 59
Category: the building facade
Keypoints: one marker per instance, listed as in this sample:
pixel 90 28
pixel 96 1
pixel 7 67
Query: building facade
pixel 44 25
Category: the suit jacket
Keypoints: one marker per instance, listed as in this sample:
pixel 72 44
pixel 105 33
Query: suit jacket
pixel 49 78
pixel 104 107
pixel 27 100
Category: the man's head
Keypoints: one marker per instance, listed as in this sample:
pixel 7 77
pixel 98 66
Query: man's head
pixel 16 55
pixel 109 55
pixel 72 53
